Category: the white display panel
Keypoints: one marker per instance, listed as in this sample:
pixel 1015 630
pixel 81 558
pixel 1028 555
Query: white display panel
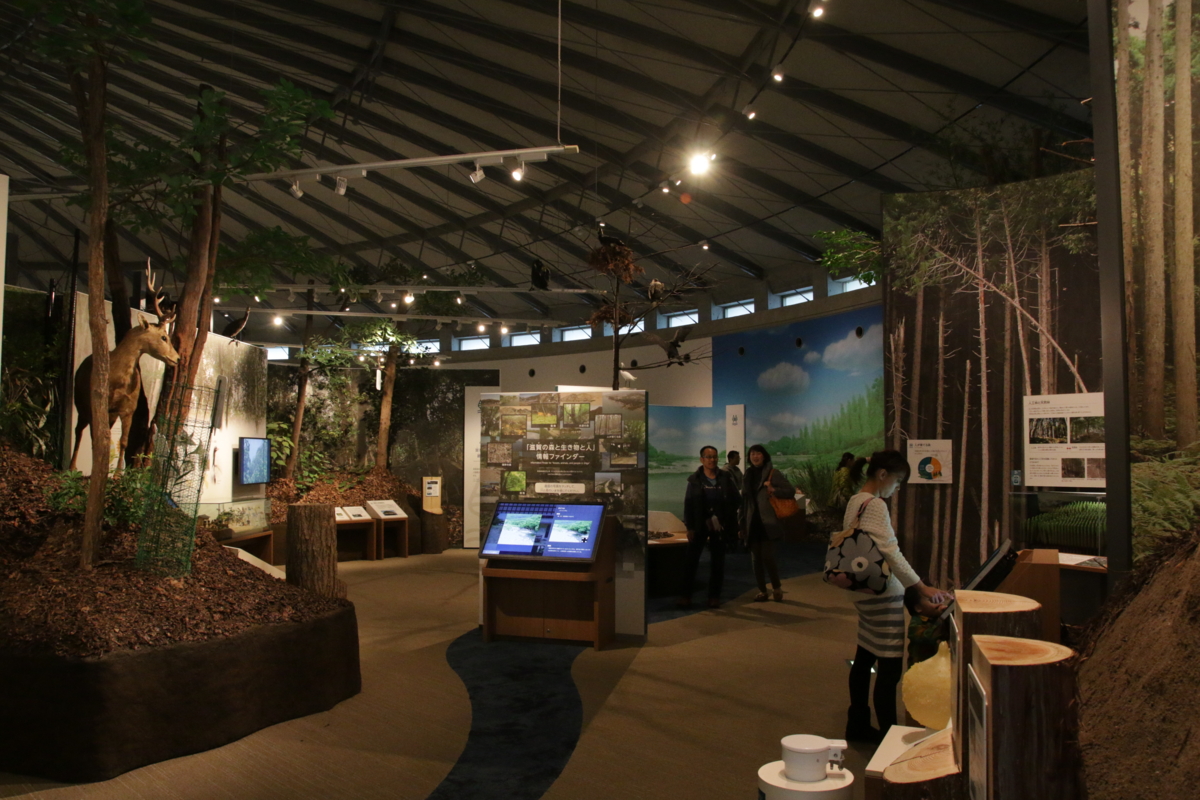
pixel 1064 440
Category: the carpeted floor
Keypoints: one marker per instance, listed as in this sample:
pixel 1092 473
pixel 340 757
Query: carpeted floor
pixel 692 713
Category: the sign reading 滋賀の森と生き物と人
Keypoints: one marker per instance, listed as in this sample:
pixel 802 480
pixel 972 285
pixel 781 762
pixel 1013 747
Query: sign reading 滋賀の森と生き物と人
pixel 930 460
pixel 1064 440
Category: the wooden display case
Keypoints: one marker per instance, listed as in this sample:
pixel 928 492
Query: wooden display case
pixel 553 600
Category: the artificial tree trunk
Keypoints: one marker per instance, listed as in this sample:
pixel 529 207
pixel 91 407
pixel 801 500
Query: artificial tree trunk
pixel 962 470
pixel 312 549
pixel 385 407
pixel 90 96
pixel 289 469
pixel 1183 276
pixel 897 345
pixel 1154 340
pixel 914 418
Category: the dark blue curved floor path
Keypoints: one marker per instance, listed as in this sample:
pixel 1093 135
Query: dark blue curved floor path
pixel 526 717
pixel 526 713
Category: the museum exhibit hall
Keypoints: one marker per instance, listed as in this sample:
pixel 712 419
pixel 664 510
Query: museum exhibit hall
pixel 522 399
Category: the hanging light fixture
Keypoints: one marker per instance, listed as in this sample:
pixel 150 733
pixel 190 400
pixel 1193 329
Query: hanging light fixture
pixel 750 112
pixel 818 11
pixel 340 187
pixel 777 73
pixel 477 175
pixel 278 320
pixel 296 191
pixel 409 298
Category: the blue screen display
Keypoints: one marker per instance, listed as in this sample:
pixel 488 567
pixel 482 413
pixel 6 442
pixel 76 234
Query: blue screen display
pixel 551 531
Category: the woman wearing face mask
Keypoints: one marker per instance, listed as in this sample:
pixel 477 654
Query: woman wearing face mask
pixel 760 528
pixel 880 617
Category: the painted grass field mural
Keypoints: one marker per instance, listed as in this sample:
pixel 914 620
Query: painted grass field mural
pixel 812 390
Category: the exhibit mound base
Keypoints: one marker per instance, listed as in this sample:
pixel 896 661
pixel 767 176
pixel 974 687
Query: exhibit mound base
pixel 1137 701
pixel 92 719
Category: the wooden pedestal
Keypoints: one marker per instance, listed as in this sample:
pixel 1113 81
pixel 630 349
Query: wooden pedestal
pixel 397 527
pixel 978 613
pixel 925 772
pixel 1030 724
pixel 553 600
pixel 364 528
pixel 1036 576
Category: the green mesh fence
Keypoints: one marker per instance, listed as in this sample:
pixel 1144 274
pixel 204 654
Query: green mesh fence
pixel 180 460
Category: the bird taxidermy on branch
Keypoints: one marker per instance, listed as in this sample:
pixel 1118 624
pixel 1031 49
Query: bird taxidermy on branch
pixel 539 275
pixel 656 292
pixel 672 347
pixel 234 329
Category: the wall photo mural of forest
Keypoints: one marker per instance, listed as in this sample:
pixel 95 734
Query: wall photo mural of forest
pixel 991 294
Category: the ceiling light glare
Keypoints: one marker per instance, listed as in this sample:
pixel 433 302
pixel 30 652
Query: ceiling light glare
pixel 424 277
pixel 518 173
pixel 503 329
pixel 394 305
pixel 665 187
pixel 704 244
pixel 818 11
pixel 412 361
pixel 256 299
pixel 777 73
pixel 362 358
pixel 699 163
pixel 278 320
pixel 216 299
pixel 437 363
pixel 481 327
pixel 409 298
pixel 458 300
pixel 296 191
pixel 340 188
pixel 750 112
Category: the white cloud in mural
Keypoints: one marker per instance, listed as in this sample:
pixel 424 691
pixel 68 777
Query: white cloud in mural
pixel 812 357
pixel 784 377
pixel 852 353
pixel 787 421
pixel 759 433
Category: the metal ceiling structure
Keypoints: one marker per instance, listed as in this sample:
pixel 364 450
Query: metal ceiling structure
pixel 877 96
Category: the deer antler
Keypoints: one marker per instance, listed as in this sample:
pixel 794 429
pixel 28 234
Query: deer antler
pixel 163 319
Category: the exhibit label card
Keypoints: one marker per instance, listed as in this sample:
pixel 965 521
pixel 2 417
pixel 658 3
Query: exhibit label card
pixel 385 509
pixel 930 461
pixel 1064 440
pixel 356 512
pixel 340 515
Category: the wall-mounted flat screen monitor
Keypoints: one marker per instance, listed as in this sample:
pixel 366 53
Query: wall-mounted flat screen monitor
pixel 544 531
pixel 255 461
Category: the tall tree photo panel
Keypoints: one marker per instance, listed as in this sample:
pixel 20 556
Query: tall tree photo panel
pixel 990 295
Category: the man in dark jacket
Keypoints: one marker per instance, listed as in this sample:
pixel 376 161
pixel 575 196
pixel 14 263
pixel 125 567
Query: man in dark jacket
pixel 710 509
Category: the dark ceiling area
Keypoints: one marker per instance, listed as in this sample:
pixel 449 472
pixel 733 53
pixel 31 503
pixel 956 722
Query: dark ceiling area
pixel 876 97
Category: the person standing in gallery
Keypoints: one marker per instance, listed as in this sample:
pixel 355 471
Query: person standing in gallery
pixel 760 527
pixel 881 629
pixel 732 460
pixel 709 510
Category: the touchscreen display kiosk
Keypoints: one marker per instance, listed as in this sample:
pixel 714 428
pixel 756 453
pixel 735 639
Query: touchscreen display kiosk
pixel 544 531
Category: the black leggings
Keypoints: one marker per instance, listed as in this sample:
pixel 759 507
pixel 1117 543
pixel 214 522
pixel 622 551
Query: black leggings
pixel 887 677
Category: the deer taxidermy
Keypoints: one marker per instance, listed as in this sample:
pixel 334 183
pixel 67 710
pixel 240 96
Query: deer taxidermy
pixel 124 377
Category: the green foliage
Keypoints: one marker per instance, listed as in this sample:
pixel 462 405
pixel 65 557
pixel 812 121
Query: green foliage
pixel 1079 524
pixel 635 431
pixel 249 266
pixel 25 411
pixel 69 32
pixel 313 466
pixel 856 427
pixel 1165 502
pixel 280 435
pixel 125 495
pixel 852 254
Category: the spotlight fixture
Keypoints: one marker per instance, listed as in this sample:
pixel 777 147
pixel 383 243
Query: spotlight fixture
pixel 340 188
pixel 699 163
pixel 481 327
pixel 477 175
pixel 377 296
pixel 750 112
pixel 216 299
pixel 412 361
pixel 777 73
pixel 503 330
pixel 278 320
pixel 818 11
pixel 296 191
pixel 666 187
pixel 515 167
pixel 704 244
pixel 256 299
pixel 600 221
pixel 458 300
pixel 424 277
pixel 393 305
pixel 678 181
pixel 409 298
pixel 437 362
pixel 343 289
pixel 437 325
pixel 291 296
pixel 362 358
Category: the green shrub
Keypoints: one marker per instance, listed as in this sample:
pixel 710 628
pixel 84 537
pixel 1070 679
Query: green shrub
pixel 1165 502
pixel 125 495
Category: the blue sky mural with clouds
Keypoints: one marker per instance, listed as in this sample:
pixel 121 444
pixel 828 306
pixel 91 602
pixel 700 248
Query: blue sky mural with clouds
pixel 784 386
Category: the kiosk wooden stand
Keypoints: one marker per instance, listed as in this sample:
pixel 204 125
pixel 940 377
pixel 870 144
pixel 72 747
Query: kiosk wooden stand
pixel 553 600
